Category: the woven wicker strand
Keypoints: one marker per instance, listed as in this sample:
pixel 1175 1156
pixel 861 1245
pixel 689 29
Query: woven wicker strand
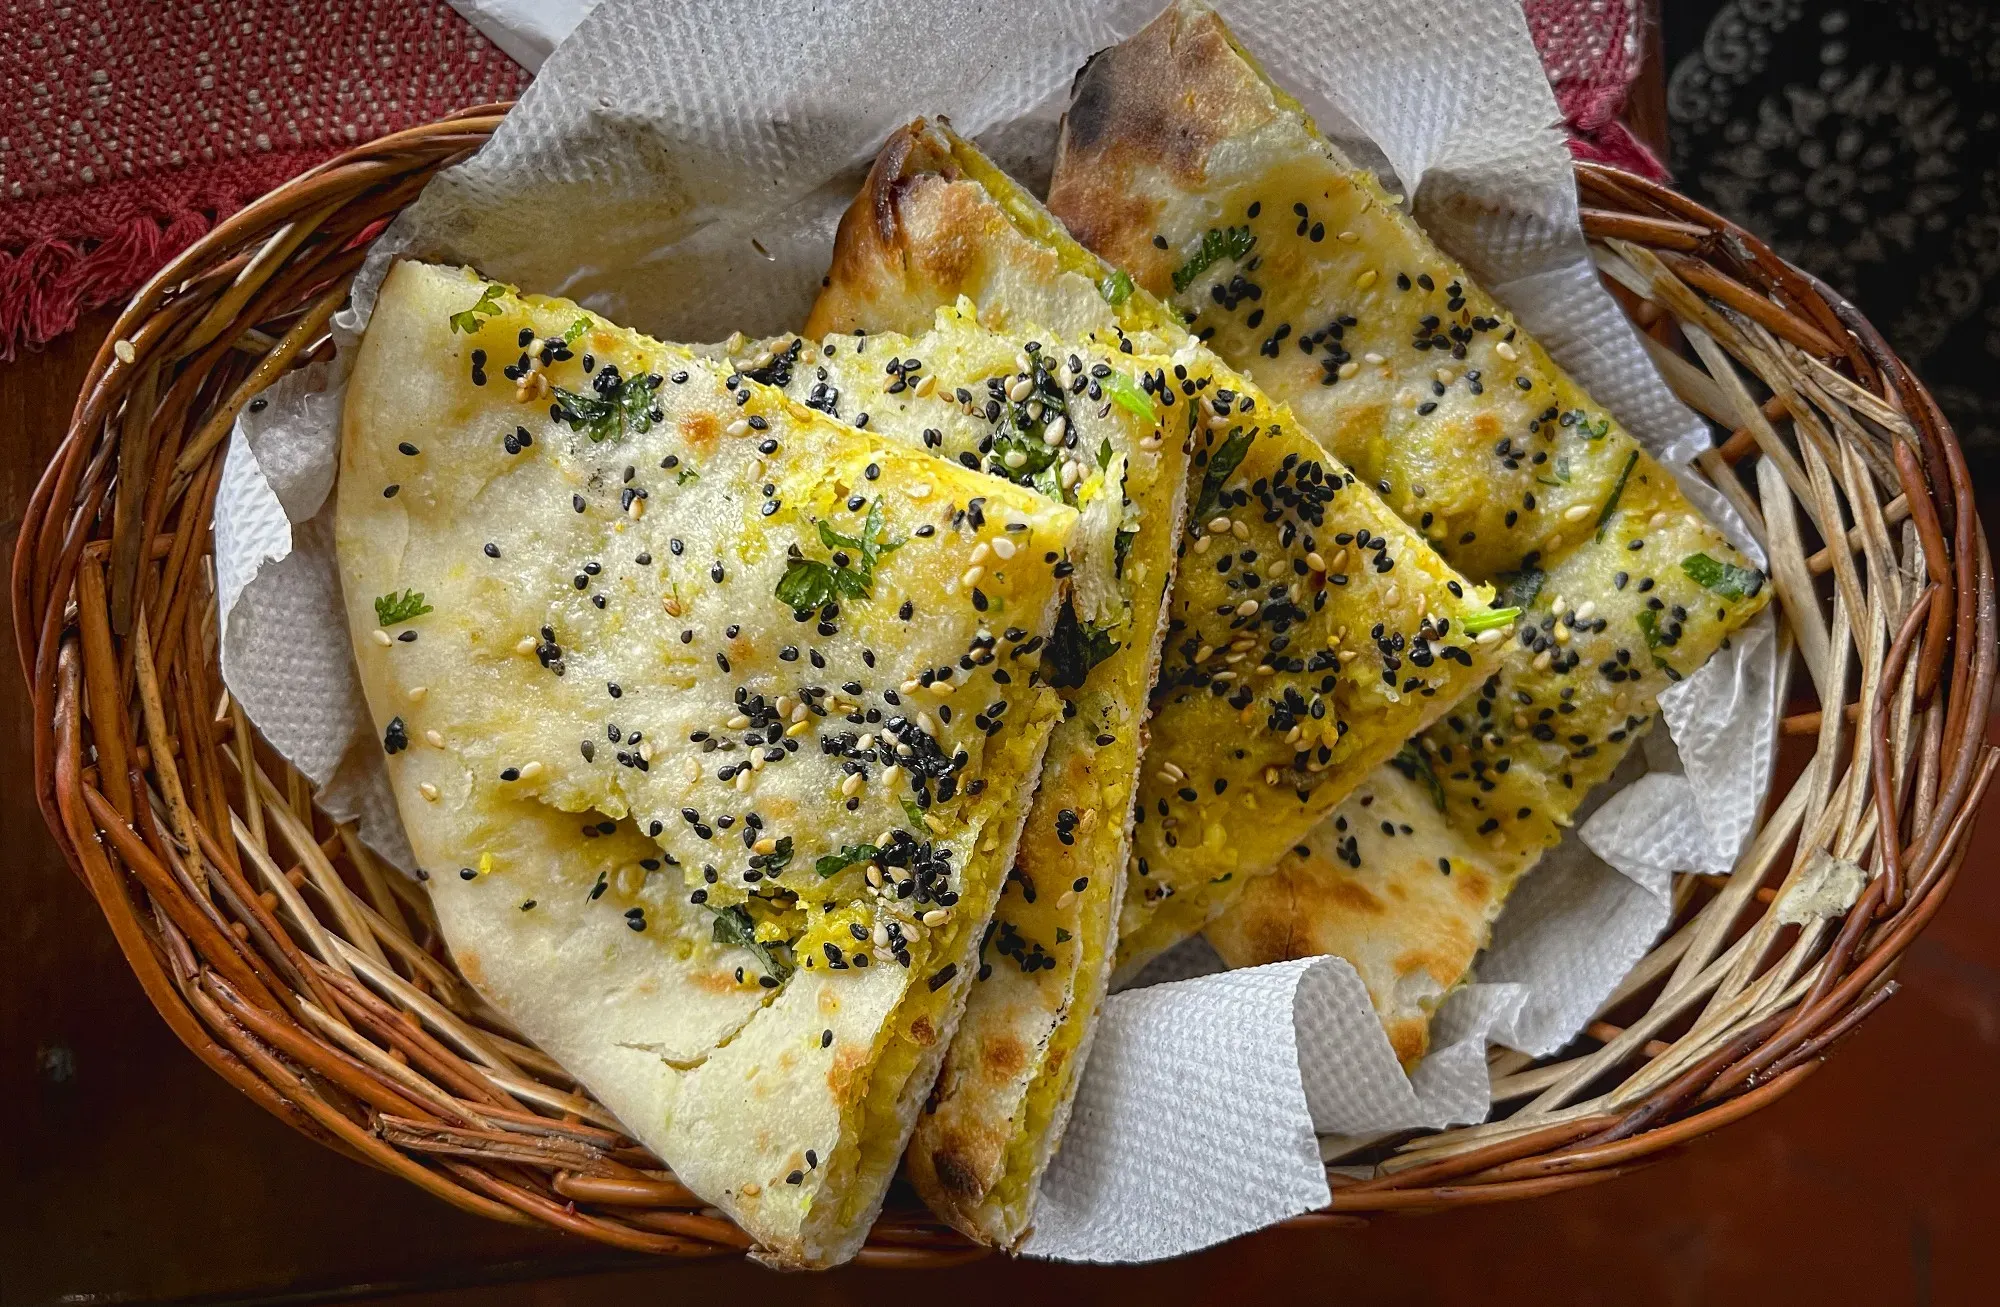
pixel 316 982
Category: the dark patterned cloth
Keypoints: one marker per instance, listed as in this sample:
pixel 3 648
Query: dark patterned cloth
pixel 1862 139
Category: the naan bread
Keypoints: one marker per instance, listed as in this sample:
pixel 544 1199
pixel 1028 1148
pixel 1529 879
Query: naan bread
pixel 712 721
pixel 1045 964
pixel 1180 162
pixel 1271 701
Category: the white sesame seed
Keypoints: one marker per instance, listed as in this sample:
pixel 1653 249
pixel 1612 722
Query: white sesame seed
pixel 531 771
pixel 1020 390
pixel 738 722
pixel 1248 608
pixel 1054 432
pixel 637 508
pixel 418 693
pixel 740 427
pixel 973 575
pixel 382 637
pixel 796 729
pixel 981 552
pixel 1576 512
pixel 1240 530
pixel 1348 369
pixel 936 917
pixel 125 350
pixel 892 774
pixel 1506 351
pixel 1219 525
pixel 1003 548
pixel 1315 562
pixel 433 739
pixel 1492 635
pixel 525 645
pixel 1349 237
pixel 1365 280
pixel 1372 357
pixel 1445 376
pixel 1586 610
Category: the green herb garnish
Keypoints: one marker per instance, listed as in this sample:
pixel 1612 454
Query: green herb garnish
pixel 1725 579
pixel 1230 243
pixel 574 332
pixel 1116 288
pixel 808 583
pixel 850 854
pixel 915 814
pixel 1410 761
pixel 487 306
pixel 1222 464
pixel 1488 619
pixel 1104 457
pixel 1125 393
pixel 1617 493
pixel 1074 649
pixel 734 928
pixel 621 405
pixel 778 858
pixel 393 608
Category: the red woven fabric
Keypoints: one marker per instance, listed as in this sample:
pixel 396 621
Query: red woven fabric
pixel 1592 50
pixel 128 127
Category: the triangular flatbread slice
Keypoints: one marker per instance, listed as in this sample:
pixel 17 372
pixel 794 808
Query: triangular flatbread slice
pixel 1246 752
pixel 647 644
pixel 1071 421
pixel 1184 164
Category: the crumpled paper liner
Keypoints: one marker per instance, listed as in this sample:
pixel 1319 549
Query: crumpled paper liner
pixel 680 168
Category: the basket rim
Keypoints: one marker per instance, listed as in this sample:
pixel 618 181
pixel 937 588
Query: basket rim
pixel 182 906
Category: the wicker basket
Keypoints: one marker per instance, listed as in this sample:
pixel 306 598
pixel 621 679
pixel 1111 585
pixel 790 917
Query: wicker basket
pixel 317 984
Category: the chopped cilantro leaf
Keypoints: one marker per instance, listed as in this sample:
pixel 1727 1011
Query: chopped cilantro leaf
pixel 1231 243
pixel 1074 648
pixel 488 305
pixel 850 854
pixel 1725 579
pixel 393 608
pixel 1125 393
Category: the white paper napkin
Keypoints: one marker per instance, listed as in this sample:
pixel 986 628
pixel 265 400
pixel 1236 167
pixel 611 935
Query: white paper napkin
pixel 680 168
